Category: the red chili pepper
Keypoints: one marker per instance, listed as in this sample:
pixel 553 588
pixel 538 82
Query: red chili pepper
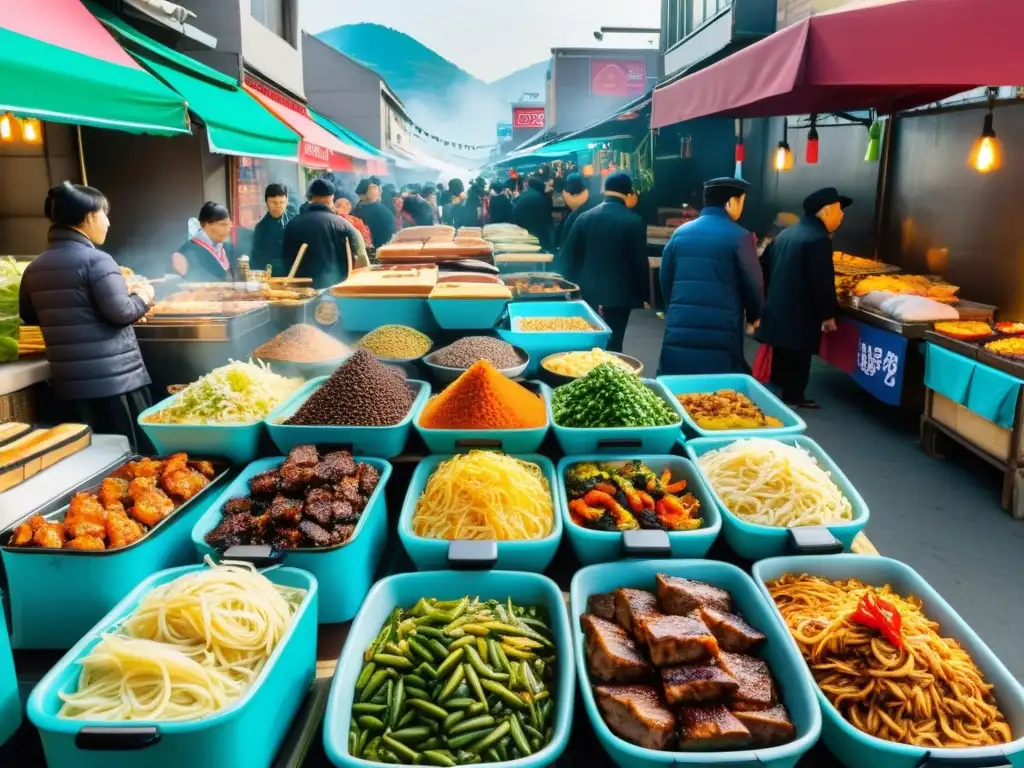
pixel 876 613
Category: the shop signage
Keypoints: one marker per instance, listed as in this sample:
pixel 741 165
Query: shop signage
pixel 313 155
pixel 618 77
pixel 504 131
pixel 528 117
pixel 881 358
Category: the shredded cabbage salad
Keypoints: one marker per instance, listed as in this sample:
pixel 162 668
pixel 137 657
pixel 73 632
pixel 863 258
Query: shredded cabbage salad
pixel 236 393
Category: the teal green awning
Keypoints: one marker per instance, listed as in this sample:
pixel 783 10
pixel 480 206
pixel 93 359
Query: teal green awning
pixel 345 134
pixel 571 146
pixel 236 124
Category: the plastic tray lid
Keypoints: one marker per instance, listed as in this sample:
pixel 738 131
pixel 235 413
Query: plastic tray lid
pixel 388 281
pixel 470 290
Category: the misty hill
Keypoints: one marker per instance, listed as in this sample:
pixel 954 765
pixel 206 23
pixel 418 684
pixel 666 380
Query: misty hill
pixel 441 97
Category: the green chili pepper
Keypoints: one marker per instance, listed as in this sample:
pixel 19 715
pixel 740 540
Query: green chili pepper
pixel 365 675
pixel 402 751
pixel 369 721
pixel 369 709
pixel 519 737
pixel 432 710
pixel 462 642
pixel 415 681
pixel 453 719
pixel 458 703
pixel 474 683
pixel 503 693
pixel 482 669
pixel 492 738
pixel 411 735
pixel 474 724
pixel 439 758
pixel 420 650
pixel 390 660
pixel 378 680
pixel 397 700
pixel 450 661
pixel 466 738
pixel 453 683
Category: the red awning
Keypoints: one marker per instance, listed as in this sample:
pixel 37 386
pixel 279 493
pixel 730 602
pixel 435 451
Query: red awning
pixel 883 54
pixel 318 148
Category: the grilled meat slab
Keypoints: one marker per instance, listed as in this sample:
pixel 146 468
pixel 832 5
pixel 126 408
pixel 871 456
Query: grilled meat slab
pixel 755 681
pixel 694 683
pixel 768 727
pixel 711 727
pixel 731 631
pixel 675 640
pixel 612 656
pixel 680 596
pixel 637 714
pixel 632 604
pixel 602 605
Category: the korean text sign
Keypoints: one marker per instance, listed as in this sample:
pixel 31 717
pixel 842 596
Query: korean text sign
pixel 881 360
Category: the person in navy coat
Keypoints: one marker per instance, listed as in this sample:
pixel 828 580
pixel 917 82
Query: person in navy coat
pixel 710 278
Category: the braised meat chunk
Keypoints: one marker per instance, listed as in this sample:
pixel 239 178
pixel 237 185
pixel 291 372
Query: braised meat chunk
pixel 756 690
pixel 637 714
pixel 265 483
pixel 680 596
pixel 611 653
pixel 731 631
pixel 334 467
pixel 232 531
pixel 303 456
pixel 296 478
pixel 693 683
pixel 711 727
pixel 768 727
pixel 673 640
pixel 368 479
pixel 285 512
pixel 631 605
pixel 239 505
pixel 317 536
pixel 602 606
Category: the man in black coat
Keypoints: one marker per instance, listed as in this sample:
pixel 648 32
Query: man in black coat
pixel 268 236
pixel 326 235
pixel 378 217
pixel 578 200
pixel 501 202
pixel 801 303
pixel 532 211
pixel 606 255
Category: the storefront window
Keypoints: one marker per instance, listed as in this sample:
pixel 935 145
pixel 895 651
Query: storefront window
pixel 702 11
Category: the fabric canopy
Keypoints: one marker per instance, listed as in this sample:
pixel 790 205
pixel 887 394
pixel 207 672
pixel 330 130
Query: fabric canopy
pixel 236 124
pixel 319 147
pixel 58 63
pixel 345 134
pixel 882 54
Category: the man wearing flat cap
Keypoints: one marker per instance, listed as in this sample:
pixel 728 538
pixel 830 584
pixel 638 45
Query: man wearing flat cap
pixel 710 279
pixel 605 254
pixel 801 293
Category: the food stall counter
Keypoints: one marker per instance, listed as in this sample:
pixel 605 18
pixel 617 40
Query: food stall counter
pixel 22 374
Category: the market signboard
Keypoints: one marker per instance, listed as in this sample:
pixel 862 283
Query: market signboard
pixel 881 359
pixel 618 77
pixel 504 132
pixel 528 117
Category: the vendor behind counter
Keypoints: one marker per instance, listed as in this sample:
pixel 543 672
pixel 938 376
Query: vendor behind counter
pixel 207 256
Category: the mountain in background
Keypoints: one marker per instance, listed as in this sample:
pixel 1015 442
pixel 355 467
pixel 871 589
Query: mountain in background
pixel 440 96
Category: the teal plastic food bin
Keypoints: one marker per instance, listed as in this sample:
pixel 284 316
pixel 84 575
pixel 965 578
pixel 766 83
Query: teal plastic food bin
pixel 576 441
pixel 238 443
pixel 362 315
pixel 10 703
pixel 383 442
pixel 246 735
pixel 432 554
pixel 757 542
pixel 345 572
pixel 853 747
pixel 794 681
pixel 593 546
pixel 540 344
pixel 404 591
pixel 758 394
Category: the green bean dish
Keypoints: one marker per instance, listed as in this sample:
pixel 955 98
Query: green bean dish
pixel 456 682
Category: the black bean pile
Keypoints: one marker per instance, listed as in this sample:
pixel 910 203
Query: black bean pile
pixel 466 351
pixel 360 393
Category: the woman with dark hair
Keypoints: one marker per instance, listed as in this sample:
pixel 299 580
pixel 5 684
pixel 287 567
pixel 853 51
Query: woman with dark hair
pixel 78 297
pixel 205 258
pixel 416 212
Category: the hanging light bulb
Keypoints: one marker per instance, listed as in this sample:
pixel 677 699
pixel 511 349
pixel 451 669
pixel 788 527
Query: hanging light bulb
pixel 986 152
pixel 783 154
pixel 874 150
pixel 6 127
pixel 31 131
pixel 812 142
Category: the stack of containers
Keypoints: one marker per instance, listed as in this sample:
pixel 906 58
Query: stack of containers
pixel 369 298
pixel 540 344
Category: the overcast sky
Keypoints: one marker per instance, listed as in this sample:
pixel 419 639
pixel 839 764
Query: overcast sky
pixel 491 38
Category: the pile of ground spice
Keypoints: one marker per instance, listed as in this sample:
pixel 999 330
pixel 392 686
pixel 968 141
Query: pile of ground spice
pixel 303 344
pixel 361 393
pixel 467 350
pixel 482 398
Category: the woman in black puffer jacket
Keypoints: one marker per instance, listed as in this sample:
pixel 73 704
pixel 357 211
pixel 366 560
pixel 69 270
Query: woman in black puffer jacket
pixel 78 297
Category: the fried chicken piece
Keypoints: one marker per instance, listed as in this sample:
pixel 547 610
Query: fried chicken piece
pixel 50 536
pixel 204 468
pixel 121 529
pixel 150 504
pixel 175 463
pixel 85 528
pixel 88 543
pixel 23 534
pixel 142 468
pixel 113 490
pixel 183 483
pixel 86 516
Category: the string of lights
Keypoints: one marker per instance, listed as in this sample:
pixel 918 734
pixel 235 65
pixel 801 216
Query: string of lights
pixel 423 133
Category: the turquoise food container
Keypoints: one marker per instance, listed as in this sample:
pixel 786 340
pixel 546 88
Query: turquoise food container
pixel 593 546
pixel 793 680
pixel 540 344
pixel 432 554
pixel 752 541
pixel 853 747
pixel 361 315
pixel 383 442
pixel 507 440
pixel 466 314
pixel 345 572
pixel 56 595
pixel 10 703
pixel 238 443
pixel 758 394
pixel 576 441
pixel 245 735
pixel 404 591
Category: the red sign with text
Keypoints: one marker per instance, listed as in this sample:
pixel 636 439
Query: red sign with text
pixel 618 77
pixel 528 117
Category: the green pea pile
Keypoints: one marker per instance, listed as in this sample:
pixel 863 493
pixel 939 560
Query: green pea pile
pixel 610 397
pixel 456 682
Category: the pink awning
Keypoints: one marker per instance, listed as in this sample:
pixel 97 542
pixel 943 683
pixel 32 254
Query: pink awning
pixel 883 54
pixel 65 24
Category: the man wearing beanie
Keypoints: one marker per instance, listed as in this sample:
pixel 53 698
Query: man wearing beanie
pixel 801 301
pixel 577 199
pixel 605 253
pixel 710 278
pixel 325 234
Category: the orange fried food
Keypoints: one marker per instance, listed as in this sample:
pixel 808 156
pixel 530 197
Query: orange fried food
pixel 50 535
pixel 23 534
pixel 121 529
pixel 85 516
pixel 113 490
pixel 143 468
pixel 204 468
pixel 150 505
pixel 90 543
pixel 175 463
pixel 184 483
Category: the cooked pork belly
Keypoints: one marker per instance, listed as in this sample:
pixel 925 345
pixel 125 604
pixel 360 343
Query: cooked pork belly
pixel 675 640
pixel 612 656
pixel 731 631
pixel 632 604
pixel 755 681
pixel 602 605
pixel 692 683
pixel 768 727
pixel 637 714
pixel 680 596
pixel 711 727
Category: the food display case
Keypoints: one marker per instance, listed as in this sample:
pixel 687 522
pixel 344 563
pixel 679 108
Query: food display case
pixel 369 298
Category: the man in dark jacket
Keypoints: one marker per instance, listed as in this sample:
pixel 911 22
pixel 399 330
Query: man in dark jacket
pixel 268 236
pixel 501 202
pixel 606 255
pixel 709 278
pixel 326 235
pixel 378 217
pixel 532 211
pixel 578 200
pixel 453 202
pixel 801 302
